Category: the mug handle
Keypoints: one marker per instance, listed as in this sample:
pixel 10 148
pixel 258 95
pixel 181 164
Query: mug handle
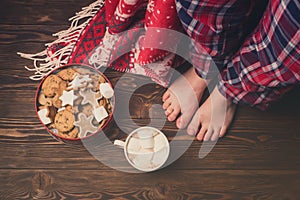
pixel 119 143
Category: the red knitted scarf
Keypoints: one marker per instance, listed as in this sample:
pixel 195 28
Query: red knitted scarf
pixel 94 39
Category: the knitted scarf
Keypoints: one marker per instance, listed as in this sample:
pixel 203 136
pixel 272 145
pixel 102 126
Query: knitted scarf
pixel 112 34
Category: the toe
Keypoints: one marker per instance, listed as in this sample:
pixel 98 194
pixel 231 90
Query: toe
pixel 215 134
pixel 166 95
pixel 223 131
pixel 208 134
pixel 191 131
pixel 178 122
pixel 194 124
pixel 201 133
pixel 169 110
pixel 172 116
pixel 181 122
pixel 185 119
pixel 166 104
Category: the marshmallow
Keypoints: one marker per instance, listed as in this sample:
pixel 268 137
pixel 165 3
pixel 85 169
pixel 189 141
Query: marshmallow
pixel 160 142
pixel 43 116
pixel 145 133
pixel 143 161
pixel 106 90
pixel 100 113
pixel 133 145
pixel 160 156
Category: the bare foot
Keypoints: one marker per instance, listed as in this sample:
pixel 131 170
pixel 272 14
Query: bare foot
pixel 213 118
pixel 183 97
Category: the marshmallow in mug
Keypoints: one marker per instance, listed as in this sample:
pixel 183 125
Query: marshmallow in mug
pixel 159 142
pixel 106 90
pixel 159 156
pixel 133 145
pixel 146 138
pixel 148 150
pixel 145 133
pixel 145 159
pixel 142 160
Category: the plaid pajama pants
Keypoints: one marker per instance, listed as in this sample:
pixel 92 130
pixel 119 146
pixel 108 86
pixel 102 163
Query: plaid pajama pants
pixel 255 64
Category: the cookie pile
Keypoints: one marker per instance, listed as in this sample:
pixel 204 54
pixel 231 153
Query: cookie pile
pixel 75 101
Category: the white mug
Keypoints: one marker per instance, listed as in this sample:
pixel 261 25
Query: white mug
pixel 145 148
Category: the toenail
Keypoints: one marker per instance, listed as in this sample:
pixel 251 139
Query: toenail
pixel 181 124
pixel 191 131
pixel 170 110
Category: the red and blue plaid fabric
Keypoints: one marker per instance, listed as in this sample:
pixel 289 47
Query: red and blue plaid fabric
pixel 217 28
pixel 255 68
pixel 268 64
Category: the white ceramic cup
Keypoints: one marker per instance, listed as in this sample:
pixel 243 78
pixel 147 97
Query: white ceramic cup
pixel 144 151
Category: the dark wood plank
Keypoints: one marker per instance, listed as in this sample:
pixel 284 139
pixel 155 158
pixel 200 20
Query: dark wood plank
pixel 237 151
pixel 227 154
pixel 165 184
pixel 50 12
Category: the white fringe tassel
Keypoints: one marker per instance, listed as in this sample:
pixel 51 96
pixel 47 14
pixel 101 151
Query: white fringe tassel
pixel 43 63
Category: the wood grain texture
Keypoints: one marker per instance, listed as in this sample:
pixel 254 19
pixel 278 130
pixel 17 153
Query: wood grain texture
pixel 258 159
pixel 51 12
pixel 164 184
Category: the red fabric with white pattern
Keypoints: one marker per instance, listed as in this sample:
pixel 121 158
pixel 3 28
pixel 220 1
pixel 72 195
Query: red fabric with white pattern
pixel 113 18
pixel 160 14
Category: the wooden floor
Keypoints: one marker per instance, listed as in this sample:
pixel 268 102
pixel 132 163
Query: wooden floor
pixel 258 159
